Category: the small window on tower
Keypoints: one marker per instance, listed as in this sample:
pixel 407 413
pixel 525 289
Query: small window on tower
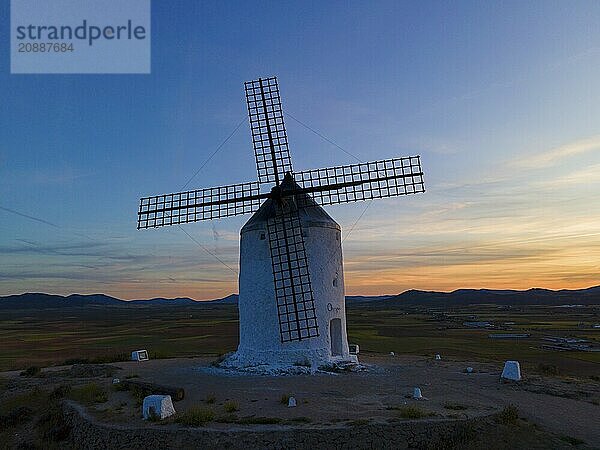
pixel 262 236
pixel 335 282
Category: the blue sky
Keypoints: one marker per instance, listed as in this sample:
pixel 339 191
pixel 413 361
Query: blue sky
pixel 500 100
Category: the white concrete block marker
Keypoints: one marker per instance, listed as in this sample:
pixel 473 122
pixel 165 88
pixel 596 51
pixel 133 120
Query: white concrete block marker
pixel 469 370
pixel 438 357
pixel 139 355
pixel 417 394
pixel 292 402
pixel 161 406
pixel 392 354
pixel 511 371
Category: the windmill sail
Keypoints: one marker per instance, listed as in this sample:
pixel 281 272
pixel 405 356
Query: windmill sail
pixel 200 204
pixel 269 137
pixel 364 181
pixel 291 276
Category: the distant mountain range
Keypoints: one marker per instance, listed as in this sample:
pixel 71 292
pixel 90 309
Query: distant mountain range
pixel 535 296
pixel 460 297
pixel 42 301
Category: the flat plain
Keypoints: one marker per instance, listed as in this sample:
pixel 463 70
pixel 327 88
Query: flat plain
pixel 108 334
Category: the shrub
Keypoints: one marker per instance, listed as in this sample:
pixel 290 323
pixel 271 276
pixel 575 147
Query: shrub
pixel 413 412
pixel 105 359
pixel 300 420
pixel 51 426
pixel 455 406
pixel 210 399
pixel 31 371
pixel 228 418
pixel 196 416
pixel 571 440
pixel 89 394
pixel 509 415
pixel 138 394
pixel 259 420
pixel 231 406
pixel 285 398
pixel 547 369
pixel 358 422
pixel 71 361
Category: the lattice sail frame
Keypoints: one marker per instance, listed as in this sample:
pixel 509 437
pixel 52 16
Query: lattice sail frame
pixel 342 184
pixel 363 181
pixel 200 204
pixel 269 137
pixel 291 276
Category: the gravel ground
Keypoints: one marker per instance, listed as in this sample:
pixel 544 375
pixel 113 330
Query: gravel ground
pixel 564 406
pixel 372 398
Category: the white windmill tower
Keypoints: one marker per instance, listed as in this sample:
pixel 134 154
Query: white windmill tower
pixel 291 284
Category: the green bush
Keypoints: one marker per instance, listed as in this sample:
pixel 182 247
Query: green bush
pixel 196 416
pixel 210 399
pixel 285 398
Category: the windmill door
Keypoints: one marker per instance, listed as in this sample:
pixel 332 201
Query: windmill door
pixel 335 336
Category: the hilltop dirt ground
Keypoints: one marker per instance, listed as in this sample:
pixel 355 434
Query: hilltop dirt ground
pixel 373 407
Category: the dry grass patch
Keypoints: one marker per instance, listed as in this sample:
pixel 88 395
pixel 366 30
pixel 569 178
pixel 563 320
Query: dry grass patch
pixel 231 406
pixel 455 406
pixel 88 394
pixel 413 412
pixel 509 415
pixel 196 416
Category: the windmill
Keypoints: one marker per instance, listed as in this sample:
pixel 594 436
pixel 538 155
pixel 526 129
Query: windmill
pixel 291 286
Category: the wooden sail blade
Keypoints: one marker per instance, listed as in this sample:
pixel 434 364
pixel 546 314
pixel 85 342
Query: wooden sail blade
pixel 269 137
pixel 200 204
pixel 363 181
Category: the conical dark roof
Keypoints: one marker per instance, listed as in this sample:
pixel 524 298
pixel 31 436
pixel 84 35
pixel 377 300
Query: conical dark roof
pixel 310 215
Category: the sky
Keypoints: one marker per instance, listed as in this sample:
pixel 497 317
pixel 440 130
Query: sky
pixel 500 99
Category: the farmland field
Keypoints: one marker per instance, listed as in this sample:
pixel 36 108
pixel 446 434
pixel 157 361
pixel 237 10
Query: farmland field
pixel 95 333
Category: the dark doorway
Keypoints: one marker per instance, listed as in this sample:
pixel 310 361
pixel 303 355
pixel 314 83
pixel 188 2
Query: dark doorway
pixel 335 335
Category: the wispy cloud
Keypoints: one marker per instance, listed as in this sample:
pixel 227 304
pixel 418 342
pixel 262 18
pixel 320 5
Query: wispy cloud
pixel 553 156
pixel 585 176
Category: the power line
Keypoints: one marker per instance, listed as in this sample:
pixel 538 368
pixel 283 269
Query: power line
pixel 207 250
pixel 215 152
pixel 37 219
pixel 219 147
pixel 322 136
